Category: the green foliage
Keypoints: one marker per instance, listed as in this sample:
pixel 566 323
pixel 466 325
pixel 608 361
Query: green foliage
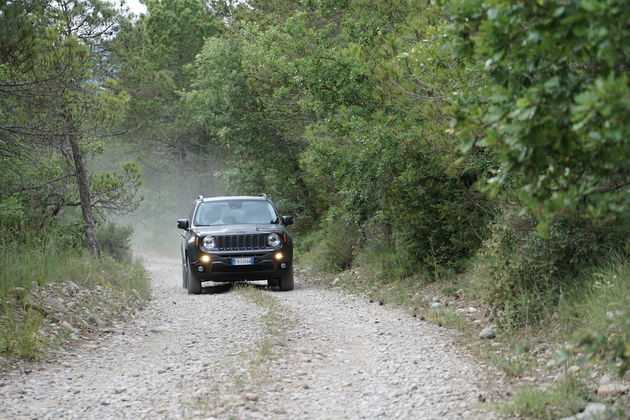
pixel 555 108
pixel 522 276
pixel 12 214
pixel 116 192
pixel 175 31
pixel 341 109
pixel 115 241
pixel 332 247
pixel 59 98
pixel 613 346
pixel 603 315
pixel 563 399
pixel 387 264
pixel 221 97
pixel 173 151
pixel 248 119
pixel 32 257
pixel 37 266
pixel 19 333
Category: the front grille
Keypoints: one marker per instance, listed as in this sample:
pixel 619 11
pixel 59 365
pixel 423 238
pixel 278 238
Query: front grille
pixel 241 242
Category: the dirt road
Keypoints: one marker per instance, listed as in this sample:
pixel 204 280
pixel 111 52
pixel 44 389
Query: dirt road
pixel 248 353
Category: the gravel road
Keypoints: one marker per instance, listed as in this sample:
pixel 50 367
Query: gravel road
pixel 200 357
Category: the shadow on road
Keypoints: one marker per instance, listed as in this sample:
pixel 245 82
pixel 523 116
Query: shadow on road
pixel 226 287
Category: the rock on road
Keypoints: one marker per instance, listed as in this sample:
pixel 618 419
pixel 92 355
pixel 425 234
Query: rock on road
pixel 192 357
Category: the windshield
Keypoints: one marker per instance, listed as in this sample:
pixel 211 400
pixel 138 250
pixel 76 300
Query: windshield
pixel 231 212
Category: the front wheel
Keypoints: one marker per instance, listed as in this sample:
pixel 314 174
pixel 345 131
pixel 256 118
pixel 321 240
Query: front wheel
pixel 286 281
pixel 185 275
pixel 192 284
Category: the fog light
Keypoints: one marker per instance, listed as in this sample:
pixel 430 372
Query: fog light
pixel 204 259
pixel 200 268
pixel 278 256
pixel 283 265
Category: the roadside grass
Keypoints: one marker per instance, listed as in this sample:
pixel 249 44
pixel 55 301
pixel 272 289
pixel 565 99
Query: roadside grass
pixel 563 399
pixel 30 269
pixel 603 299
pixel 596 304
pixel 19 336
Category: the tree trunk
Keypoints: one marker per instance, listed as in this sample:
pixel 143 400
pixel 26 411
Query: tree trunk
pixel 84 194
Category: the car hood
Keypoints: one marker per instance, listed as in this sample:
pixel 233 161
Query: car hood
pixel 236 229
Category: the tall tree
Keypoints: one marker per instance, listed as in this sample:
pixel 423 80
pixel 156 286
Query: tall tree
pixel 151 56
pixel 62 99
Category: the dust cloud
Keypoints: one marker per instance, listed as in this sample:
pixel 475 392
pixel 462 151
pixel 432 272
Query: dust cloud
pixel 170 183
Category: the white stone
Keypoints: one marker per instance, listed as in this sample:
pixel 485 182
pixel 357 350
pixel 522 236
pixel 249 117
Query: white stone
pixel 592 411
pixel 54 304
pixel 612 389
pixel 488 333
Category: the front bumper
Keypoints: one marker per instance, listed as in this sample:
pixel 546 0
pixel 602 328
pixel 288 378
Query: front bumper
pixel 220 268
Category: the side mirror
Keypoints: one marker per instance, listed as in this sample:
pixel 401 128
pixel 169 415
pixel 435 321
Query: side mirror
pixel 287 220
pixel 183 224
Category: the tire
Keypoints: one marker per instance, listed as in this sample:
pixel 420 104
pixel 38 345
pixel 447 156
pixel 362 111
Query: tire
pixel 192 284
pixel 184 276
pixel 286 281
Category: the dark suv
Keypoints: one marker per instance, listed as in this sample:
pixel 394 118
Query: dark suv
pixel 236 238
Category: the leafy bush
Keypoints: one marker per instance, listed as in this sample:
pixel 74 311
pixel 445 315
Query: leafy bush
pixel 115 240
pixel 12 213
pixel 331 248
pixel 386 261
pixel 65 236
pixel 556 105
pixel 523 275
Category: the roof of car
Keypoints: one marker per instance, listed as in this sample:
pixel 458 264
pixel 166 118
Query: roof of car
pixel 235 197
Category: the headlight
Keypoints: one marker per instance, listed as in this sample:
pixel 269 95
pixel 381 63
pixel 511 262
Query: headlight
pixel 273 240
pixel 209 242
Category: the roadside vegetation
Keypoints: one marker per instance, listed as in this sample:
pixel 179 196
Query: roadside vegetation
pixel 65 268
pixel 52 290
pixel 430 147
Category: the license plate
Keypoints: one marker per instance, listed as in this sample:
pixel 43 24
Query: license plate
pixel 242 261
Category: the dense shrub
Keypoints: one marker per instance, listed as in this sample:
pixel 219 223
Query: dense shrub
pixel 115 240
pixel 522 275
pixel 330 248
pixel 386 263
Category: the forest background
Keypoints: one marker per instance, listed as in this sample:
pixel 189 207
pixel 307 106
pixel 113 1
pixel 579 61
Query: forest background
pixel 476 144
